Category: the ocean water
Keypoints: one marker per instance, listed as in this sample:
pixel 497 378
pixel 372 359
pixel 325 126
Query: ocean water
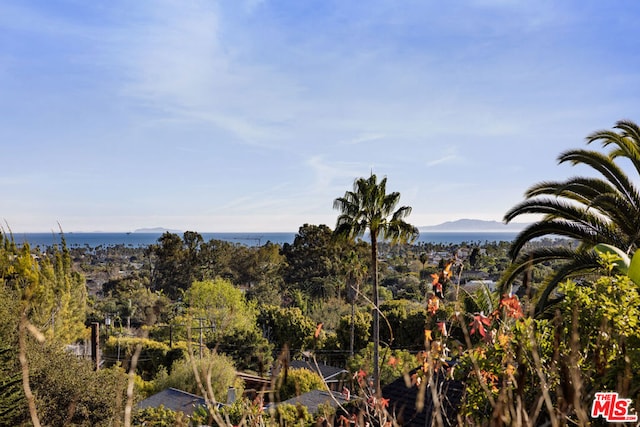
pixel 94 240
pixel 471 237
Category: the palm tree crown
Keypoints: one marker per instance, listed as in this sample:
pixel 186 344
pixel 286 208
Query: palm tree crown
pixel 591 210
pixel 369 207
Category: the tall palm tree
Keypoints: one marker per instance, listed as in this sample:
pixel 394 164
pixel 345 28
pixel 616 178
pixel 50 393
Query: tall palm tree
pixel 369 207
pixel 592 210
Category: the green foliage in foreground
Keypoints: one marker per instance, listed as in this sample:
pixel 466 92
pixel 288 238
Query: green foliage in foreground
pixel 53 296
pixel 590 345
pixel 159 417
pixel 601 334
pixel 69 392
pixel 11 394
pixel 292 415
pixel 242 412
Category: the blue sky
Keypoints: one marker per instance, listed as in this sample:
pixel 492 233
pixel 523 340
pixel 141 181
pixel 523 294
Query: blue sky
pixel 250 115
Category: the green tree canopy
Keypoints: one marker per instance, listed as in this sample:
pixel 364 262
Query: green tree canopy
pixel 170 273
pixel 285 326
pixel 312 260
pixel 222 306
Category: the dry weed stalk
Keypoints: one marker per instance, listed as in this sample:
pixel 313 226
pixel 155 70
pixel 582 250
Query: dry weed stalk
pixel 23 327
pixel 128 409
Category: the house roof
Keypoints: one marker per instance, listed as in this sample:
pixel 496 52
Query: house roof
pixel 315 398
pixel 174 399
pixel 328 373
pixel 254 381
pixel 403 397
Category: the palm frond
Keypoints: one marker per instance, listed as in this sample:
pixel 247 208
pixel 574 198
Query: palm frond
pixel 533 257
pixel 607 167
pixel 585 264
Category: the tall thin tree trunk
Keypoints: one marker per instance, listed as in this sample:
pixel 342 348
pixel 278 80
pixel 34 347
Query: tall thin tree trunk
pixel 376 315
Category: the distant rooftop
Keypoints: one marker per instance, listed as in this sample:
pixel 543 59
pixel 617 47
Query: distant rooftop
pixel 315 398
pixel 174 399
pixel 328 373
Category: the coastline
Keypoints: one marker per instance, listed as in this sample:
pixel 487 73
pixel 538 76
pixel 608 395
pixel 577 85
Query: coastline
pixel 93 240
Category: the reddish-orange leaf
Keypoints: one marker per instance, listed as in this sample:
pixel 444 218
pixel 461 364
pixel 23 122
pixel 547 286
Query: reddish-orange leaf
pixel 435 277
pixel 318 329
pixel 393 361
pixel 512 306
pixel 384 402
pixel 478 323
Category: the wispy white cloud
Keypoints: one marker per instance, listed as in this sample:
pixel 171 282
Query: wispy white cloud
pixel 329 177
pixel 179 61
pixel 446 159
pixel 449 156
pixel 364 138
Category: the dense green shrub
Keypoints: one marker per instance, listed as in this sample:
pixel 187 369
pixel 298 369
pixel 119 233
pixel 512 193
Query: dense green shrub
pixel 393 363
pixel 294 382
pixel 403 324
pixel 216 369
pixel 241 412
pixel 292 415
pixel 69 392
pixel 249 350
pixel 286 326
pixel 159 417
pixel 362 330
pixel 118 350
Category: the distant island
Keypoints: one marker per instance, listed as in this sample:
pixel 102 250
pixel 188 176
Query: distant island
pixel 475 225
pixel 156 230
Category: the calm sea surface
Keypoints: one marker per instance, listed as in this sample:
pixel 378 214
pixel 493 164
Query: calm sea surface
pixel 250 239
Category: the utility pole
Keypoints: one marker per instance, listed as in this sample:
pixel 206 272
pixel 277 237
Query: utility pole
pixel 95 345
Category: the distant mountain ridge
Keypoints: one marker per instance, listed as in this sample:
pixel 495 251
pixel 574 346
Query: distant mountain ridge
pixel 475 225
